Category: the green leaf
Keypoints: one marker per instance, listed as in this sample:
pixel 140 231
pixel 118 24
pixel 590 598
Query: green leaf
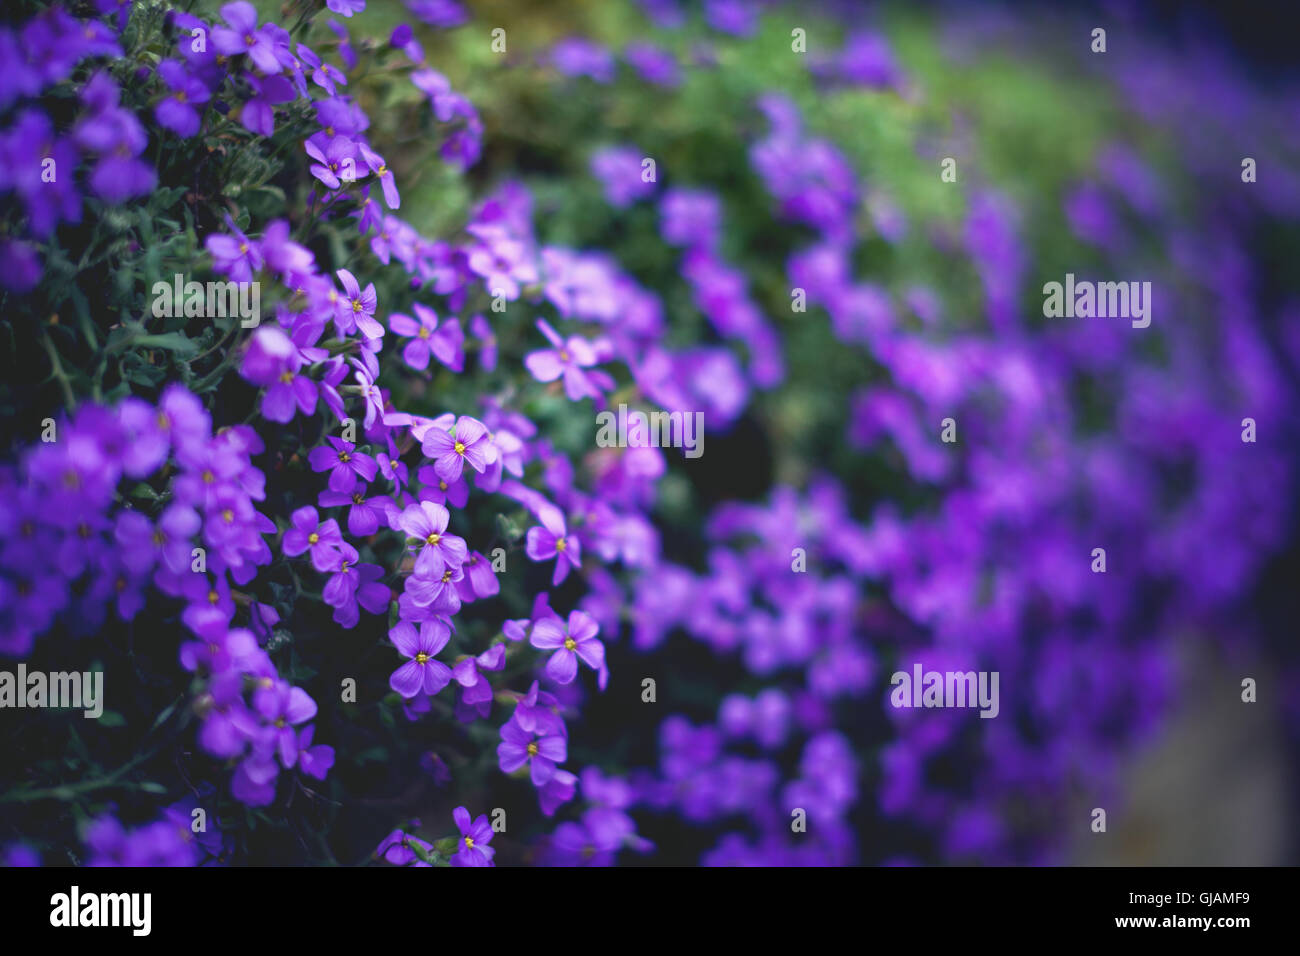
pixel 171 341
pixel 142 490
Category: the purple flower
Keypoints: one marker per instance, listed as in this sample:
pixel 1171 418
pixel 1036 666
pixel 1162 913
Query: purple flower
pixel 557 791
pixel 176 112
pixel 551 540
pixel 691 218
pixel 344 463
pixel 541 750
pixel 1091 215
pixel 502 261
pixel 241 35
pixel 420 672
pixel 346 8
pixel 258 115
pixel 427 522
pixel 313 761
pixel 284 256
pixel 620 171
pixel 396 848
pixel 474 839
pixel 169 543
pixel 578 57
pixel 437 489
pixel 578 640
pixel 436 591
pixel 476 691
pixel 323 539
pixel 487 355
pixel 283 707
pixel 450 450
pixel 20 855
pixel 219 649
pixel 442 14
pixel 445 344
pixel 380 169
pixel 654 64
pixel 290 391
pixel 567 359
pixel 335 164
pixel 365 514
pixel 235 256
pixel 325 75
pixel 479 580
pixel 20 266
pixel 117 136
pixel 370 393
pixel 346 53
pixel 359 306
pixel 731 16
pixel 867 59
pixel 351 584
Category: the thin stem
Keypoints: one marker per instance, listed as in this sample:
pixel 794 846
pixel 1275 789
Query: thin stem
pixel 69 399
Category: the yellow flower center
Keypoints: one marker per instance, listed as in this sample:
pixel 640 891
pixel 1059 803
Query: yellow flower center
pixel 227 516
pixel 570 643
pixel 560 544
pixel 434 538
pixel 469 842
pixel 286 376
pixel 421 658
pixel 460 448
pixel 213 597
pixel 313 538
pixel 532 749
pixel 424 332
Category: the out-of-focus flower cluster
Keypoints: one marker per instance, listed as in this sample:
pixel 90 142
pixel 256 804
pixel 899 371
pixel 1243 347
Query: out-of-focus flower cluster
pixel 406 440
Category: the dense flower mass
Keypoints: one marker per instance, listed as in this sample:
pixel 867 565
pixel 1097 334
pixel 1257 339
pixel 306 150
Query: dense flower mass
pixel 349 534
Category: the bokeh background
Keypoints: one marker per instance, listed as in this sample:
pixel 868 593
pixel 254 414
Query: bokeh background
pixel 924 301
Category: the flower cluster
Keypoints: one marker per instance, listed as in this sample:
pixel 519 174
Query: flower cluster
pixel 385 490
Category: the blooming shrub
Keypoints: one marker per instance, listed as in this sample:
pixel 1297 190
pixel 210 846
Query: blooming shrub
pixel 362 586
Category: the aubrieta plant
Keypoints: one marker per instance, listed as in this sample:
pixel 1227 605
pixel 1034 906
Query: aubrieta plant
pixel 308 313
